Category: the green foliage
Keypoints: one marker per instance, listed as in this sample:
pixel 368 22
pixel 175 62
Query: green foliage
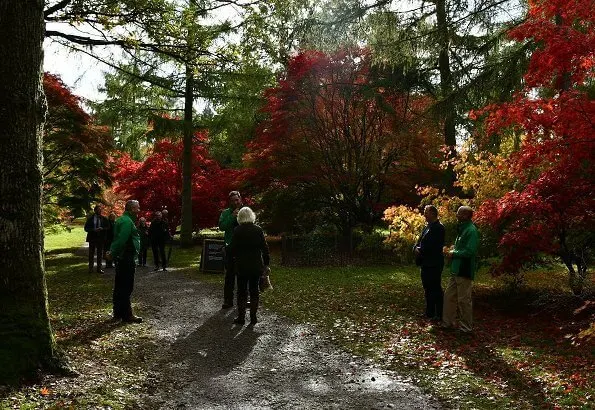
pixel 130 105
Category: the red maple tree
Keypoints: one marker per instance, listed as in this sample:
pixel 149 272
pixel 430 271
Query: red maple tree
pixel 338 142
pixel 75 151
pixel 156 182
pixel 553 208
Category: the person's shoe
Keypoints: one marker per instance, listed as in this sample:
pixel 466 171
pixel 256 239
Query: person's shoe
pixel 100 271
pixel 164 269
pixel 156 268
pixel 132 319
pixel 239 320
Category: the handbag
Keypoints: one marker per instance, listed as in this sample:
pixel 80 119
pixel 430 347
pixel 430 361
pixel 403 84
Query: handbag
pixel 265 280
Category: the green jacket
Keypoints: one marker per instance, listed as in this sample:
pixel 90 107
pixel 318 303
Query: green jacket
pixel 126 237
pixel 464 255
pixel 227 223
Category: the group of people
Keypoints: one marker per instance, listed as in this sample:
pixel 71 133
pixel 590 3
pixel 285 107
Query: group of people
pixel 451 308
pixel 100 234
pixel 247 259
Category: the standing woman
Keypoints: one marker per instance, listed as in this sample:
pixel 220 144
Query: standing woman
pixel 250 251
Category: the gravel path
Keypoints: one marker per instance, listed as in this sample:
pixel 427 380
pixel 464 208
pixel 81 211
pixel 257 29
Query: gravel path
pixel 207 362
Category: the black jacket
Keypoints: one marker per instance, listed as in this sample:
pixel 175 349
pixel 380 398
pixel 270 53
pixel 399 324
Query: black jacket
pixel 431 243
pixel 158 231
pixel 92 235
pixel 249 249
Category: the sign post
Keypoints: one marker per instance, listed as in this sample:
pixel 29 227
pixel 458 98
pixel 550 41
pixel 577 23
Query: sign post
pixel 213 256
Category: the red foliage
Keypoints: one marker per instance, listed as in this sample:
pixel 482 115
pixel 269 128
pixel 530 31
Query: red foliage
pixel 157 182
pixel 555 201
pixel 353 144
pixel 75 150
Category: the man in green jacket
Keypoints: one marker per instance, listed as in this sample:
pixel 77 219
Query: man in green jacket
pixel 463 266
pixel 124 251
pixel 227 223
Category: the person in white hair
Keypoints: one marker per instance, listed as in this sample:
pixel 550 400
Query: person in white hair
pixel 250 253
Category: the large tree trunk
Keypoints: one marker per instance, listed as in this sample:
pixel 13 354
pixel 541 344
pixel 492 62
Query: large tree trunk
pixel 186 230
pixel 26 339
pixel 446 89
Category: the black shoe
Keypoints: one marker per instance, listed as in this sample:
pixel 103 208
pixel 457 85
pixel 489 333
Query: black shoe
pixel 100 271
pixel 239 320
pixel 227 305
pixel 164 269
pixel 156 268
pixel 133 319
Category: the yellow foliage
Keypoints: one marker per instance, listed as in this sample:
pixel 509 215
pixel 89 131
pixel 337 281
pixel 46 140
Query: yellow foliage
pixel 405 225
pixel 484 175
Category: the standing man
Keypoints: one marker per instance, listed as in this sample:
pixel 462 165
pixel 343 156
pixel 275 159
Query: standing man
pixel 124 252
pixel 227 223
pixel 463 265
pixel 429 257
pixel 96 227
pixel 158 236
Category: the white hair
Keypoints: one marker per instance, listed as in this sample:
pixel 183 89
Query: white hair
pixel 130 203
pixel 246 216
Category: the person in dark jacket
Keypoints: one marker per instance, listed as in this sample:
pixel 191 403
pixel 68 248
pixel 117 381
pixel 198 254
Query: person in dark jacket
pixel 109 237
pixel 430 258
pixel 96 227
pixel 250 252
pixel 124 251
pixel 143 231
pixel 158 236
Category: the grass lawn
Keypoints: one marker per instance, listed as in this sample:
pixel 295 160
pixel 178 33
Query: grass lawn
pixel 524 353
pixel 108 355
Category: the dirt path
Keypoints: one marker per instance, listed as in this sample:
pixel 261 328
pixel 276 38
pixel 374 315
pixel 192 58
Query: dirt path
pixel 206 362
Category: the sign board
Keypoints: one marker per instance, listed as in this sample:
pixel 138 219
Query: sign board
pixel 213 256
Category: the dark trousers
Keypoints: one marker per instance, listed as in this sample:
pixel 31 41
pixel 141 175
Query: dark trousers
pixel 106 247
pixel 431 279
pixel 248 282
pixel 95 247
pixel 159 254
pixel 142 255
pixel 230 278
pixel 123 285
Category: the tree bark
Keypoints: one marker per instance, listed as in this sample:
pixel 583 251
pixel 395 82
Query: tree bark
pixel 446 89
pixel 186 230
pixel 26 338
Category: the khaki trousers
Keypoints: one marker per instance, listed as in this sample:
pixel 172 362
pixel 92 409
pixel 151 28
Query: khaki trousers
pixel 457 302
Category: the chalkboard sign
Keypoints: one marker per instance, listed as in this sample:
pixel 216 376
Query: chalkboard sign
pixel 213 256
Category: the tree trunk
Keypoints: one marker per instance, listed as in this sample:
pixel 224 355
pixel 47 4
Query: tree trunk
pixel 26 339
pixel 446 89
pixel 186 230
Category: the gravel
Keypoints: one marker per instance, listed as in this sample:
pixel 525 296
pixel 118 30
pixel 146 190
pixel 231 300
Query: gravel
pixel 204 361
